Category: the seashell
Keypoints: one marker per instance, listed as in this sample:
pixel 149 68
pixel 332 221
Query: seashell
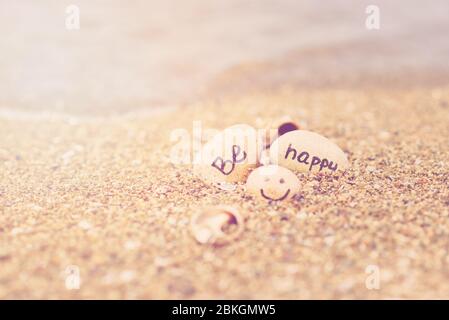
pixel 217 225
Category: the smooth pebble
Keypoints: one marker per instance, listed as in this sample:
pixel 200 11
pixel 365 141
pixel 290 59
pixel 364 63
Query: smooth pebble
pixel 306 151
pixel 273 183
pixel 229 156
pixel 216 225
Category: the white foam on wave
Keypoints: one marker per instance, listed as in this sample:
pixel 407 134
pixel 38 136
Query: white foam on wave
pixel 43 115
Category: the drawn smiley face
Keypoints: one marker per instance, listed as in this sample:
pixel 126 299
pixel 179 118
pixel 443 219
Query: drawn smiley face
pixel 272 183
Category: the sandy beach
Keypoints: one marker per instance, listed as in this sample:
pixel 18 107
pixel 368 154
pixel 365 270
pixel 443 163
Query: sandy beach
pixel 86 181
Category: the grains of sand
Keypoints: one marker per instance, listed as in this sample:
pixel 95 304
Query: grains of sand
pixel 120 211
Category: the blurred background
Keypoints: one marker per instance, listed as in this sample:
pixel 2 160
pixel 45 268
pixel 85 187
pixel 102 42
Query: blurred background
pixel 99 194
pixel 141 55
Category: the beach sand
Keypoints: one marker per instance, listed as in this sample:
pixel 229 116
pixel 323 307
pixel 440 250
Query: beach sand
pixel 103 196
pixel 86 182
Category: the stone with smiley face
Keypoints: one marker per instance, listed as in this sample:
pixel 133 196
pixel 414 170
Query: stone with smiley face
pixel 272 183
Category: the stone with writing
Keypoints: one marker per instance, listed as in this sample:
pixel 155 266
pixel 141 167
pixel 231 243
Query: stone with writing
pixel 272 183
pixel 306 151
pixel 229 156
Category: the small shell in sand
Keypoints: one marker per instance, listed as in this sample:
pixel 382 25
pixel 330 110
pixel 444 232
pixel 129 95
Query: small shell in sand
pixel 216 225
pixel 277 127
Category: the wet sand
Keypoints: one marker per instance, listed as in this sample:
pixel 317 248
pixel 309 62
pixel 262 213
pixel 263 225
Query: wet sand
pixel 151 54
pixel 86 178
